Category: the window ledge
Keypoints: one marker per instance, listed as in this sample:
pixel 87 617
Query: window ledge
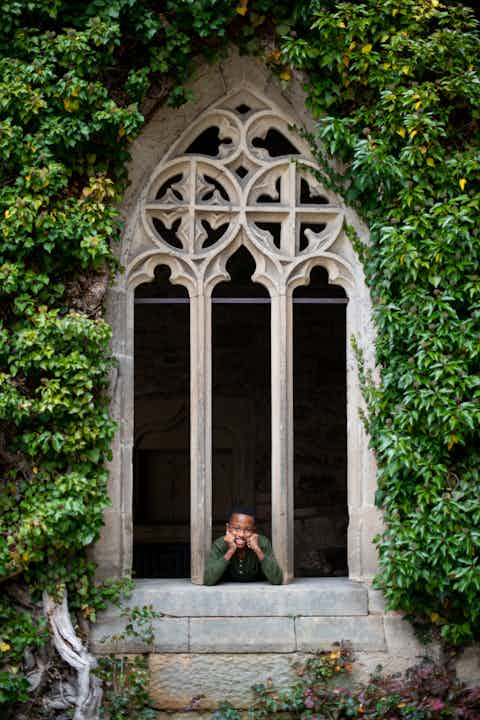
pixel 215 611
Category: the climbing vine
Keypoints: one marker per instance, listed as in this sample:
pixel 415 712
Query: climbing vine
pixel 395 89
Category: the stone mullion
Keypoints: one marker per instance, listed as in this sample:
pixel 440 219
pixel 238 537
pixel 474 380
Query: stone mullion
pixel 200 433
pixel 282 431
pixel 191 207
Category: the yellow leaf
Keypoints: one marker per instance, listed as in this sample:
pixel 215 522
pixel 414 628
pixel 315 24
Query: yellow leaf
pixel 453 441
pixel 423 149
pixel 121 131
pixel 434 617
pixel 28 178
pixel 412 133
pixel 285 74
pixel 7 214
pixel 346 60
pixel 395 12
pixel 4 647
pixel 462 182
pixel 367 48
pixel 405 69
pixel 402 132
pixel 386 66
pixel 242 7
pixel 418 105
pixel 71 105
pixel 430 161
pixel 274 55
pixel 341 24
pixel 352 45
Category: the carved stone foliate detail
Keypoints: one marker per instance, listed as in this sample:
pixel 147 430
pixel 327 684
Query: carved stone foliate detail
pixel 240 172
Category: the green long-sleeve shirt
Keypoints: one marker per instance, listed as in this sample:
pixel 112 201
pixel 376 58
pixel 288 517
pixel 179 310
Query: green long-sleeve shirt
pixel 242 570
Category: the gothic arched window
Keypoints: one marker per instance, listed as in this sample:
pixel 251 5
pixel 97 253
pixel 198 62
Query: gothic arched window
pixel 239 177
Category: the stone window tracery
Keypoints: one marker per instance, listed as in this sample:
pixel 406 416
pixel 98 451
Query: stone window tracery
pixel 240 175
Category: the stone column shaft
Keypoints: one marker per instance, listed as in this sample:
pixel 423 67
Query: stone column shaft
pixel 200 434
pixel 282 432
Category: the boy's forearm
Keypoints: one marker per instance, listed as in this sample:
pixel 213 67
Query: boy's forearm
pixel 272 570
pixel 214 570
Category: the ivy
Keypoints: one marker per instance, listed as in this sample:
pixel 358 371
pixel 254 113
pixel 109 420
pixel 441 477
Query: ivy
pixel 394 87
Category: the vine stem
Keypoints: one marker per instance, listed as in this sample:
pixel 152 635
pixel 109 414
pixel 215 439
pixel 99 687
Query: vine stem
pixel 75 654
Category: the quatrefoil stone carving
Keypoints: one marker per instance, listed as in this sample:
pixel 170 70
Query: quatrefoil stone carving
pixel 240 167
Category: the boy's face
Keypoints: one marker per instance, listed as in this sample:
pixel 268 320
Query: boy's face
pixel 241 527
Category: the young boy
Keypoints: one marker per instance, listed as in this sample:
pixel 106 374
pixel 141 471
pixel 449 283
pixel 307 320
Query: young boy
pixel 241 554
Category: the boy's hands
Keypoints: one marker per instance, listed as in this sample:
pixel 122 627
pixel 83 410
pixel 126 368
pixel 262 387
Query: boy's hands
pixel 230 540
pixel 252 542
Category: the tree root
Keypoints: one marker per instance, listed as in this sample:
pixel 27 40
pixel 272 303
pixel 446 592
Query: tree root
pixel 73 652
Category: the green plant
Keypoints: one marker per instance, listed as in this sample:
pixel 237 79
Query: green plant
pixel 426 692
pixel 125 679
pixel 395 89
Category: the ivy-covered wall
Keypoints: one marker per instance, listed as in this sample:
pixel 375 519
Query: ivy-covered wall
pixel 395 87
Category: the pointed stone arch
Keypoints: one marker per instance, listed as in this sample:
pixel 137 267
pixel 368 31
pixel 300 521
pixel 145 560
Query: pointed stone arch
pixel 236 173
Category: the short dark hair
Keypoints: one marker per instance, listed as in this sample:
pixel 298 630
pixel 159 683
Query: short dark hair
pixel 241 510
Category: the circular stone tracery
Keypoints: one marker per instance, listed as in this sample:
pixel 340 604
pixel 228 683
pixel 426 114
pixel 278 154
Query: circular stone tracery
pixel 235 169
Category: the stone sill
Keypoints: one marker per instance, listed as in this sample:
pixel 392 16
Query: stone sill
pixel 304 596
pixel 250 617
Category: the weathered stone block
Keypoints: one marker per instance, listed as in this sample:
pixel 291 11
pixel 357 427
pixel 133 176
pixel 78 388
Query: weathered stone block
pixel 170 636
pixel 319 633
pixel 177 679
pixel 468 666
pixel 246 634
pixel 376 602
pixel 401 639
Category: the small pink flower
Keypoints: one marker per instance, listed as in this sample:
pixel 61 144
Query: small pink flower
pixel 437 704
pixel 309 703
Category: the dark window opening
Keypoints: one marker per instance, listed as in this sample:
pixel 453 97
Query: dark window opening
pixel 308 195
pixel 161 467
pixel 320 439
pixel 264 198
pixel 304 241
pixel 243 109
pixel 169 234
pixel 275 143
pixel 209 191
pixel 241 396
pixel 208 143
pixel 213 234
pixel 274 230
pixel 167 185
pixel 241 172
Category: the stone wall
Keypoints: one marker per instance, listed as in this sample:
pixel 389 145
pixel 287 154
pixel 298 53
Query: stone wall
pixel 215 643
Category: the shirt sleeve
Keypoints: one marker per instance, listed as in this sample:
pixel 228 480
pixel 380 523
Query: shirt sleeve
pixel 216 563
pixel 271 569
